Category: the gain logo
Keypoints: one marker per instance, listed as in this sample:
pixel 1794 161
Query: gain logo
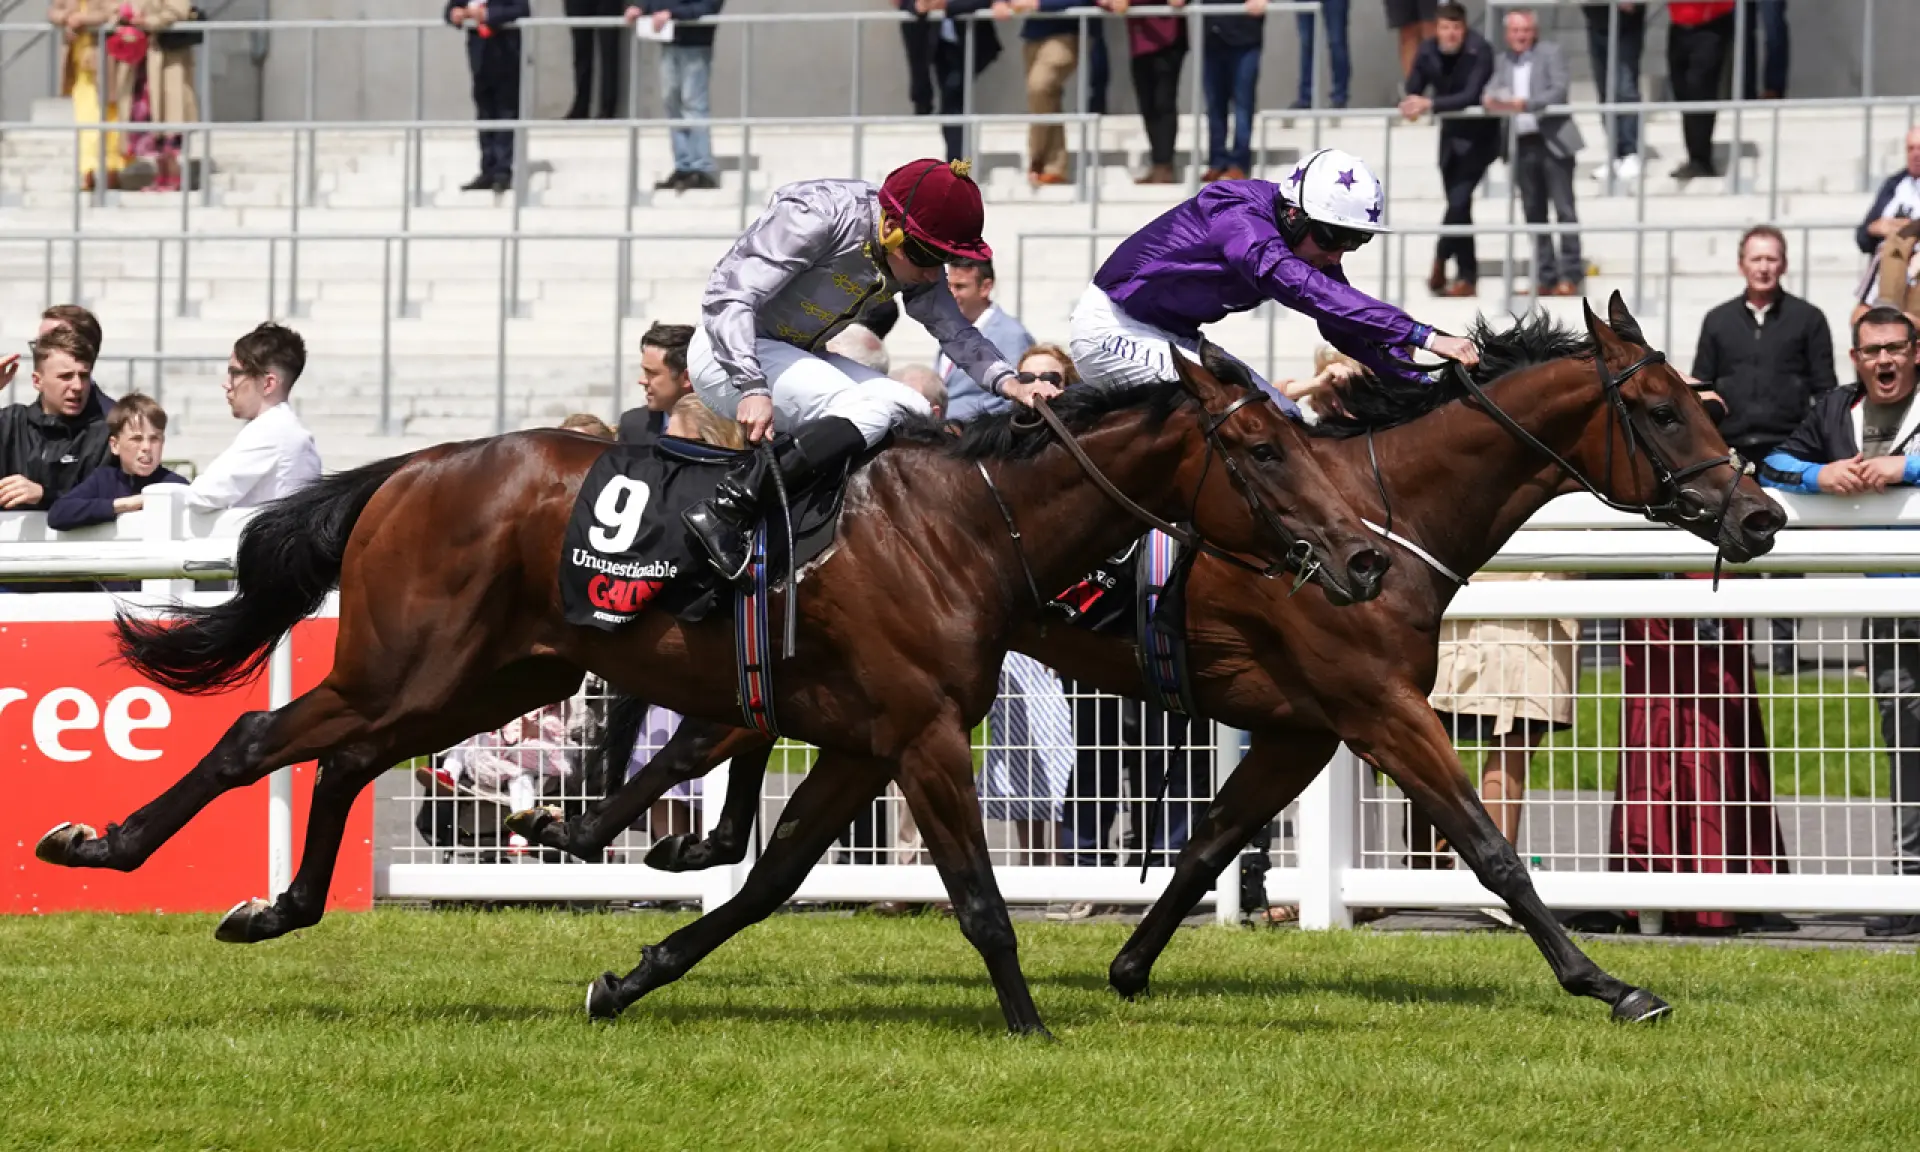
pixel 625 597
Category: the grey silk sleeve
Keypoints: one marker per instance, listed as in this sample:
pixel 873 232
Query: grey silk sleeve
pixel 933 307
pixel 794 234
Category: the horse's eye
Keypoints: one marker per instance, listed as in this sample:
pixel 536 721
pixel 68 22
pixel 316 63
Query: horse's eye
pixel 1265 453
pixel 1665 416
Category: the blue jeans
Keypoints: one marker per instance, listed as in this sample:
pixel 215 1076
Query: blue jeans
pixel 1626 63
pixel 1334 14
pixel 1766 21
pixel 685 70
pixel 1232 74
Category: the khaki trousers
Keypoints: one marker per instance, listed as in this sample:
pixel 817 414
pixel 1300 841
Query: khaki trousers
pixel 1049 63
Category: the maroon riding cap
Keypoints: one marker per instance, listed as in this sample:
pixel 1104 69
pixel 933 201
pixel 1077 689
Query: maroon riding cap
pixel 937 204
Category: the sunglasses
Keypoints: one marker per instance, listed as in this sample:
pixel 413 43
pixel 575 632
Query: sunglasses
pixel 1332 238
pixel 921 256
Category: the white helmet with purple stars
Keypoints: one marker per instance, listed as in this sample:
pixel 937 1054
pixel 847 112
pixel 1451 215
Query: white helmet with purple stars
pixel 1337 188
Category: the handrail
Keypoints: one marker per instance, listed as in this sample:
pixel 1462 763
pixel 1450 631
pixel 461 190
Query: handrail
pixel 852 15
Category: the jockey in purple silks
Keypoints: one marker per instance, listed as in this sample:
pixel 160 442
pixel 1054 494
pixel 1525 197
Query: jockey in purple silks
pixel 1239 243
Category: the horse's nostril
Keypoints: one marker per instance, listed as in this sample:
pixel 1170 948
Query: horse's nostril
pixel 1367 562
pixel 1764 522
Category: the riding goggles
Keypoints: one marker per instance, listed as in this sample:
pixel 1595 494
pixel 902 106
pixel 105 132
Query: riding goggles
pixel 1333 238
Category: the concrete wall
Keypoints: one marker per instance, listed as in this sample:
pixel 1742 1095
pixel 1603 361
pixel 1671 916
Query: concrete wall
pixel 807 69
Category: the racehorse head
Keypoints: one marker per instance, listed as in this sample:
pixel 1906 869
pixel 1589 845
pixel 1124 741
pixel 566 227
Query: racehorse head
pixel 1678 469
pixel 1282 503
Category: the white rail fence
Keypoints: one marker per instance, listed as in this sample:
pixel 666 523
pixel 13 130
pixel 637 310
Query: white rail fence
pixel 1693 771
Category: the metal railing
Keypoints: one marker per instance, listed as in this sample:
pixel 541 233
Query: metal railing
pixel 1348 841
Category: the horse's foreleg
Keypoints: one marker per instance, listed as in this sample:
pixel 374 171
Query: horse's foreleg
pixel 252 747
pixel 726 842
pixel 1412 748
pixel 1278 765
pixel 697 747
pixel 936 775
pixel 817 813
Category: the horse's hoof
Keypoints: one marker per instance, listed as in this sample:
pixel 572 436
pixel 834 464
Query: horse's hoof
pixel 670 855
pixel 1038 1034
pixel 1641 1007
pixel 236 926
pixel 57 846
pixel 532 822
pixel 603 998
pixel 1129 980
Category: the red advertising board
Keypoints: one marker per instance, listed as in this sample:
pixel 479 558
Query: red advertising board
pixel 89 740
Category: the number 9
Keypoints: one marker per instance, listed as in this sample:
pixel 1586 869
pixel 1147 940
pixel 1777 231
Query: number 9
pixel 618 508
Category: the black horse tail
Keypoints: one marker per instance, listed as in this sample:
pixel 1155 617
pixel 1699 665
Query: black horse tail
pixel 610 753
pixel 288 560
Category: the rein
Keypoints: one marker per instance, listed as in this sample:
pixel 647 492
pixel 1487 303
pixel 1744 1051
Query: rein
pixel 1666 477
pixel 1300 556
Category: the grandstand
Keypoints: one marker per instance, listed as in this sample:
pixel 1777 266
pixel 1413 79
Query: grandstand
pixel 418 318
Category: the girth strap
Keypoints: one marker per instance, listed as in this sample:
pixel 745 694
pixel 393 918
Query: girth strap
pixel 752 642
pixel 1161 644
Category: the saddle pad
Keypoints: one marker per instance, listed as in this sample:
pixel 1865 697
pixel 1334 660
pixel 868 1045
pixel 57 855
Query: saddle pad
pixel 626 549
pixel 1102 601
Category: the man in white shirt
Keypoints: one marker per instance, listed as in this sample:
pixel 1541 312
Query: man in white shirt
pixel 274 454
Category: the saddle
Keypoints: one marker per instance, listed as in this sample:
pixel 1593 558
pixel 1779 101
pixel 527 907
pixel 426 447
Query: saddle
pixel 626 550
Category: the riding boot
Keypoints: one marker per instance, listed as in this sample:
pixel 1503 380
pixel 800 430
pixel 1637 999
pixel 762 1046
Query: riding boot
pixel 722 523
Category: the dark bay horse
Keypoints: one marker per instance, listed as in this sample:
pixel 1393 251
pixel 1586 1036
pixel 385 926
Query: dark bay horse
pixel 1299 678
pixel 451 624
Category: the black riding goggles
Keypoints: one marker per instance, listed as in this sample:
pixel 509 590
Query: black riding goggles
pixel 1333 238
pixel 921 255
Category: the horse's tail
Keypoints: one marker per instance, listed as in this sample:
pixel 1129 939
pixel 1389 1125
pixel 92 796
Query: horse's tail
pixel 288 560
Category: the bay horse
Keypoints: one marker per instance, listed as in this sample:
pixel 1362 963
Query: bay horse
pixel 1459 470
pixel 447 561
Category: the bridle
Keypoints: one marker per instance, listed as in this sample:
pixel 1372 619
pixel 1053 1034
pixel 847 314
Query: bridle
pixel 1669 505
pixel 1300 556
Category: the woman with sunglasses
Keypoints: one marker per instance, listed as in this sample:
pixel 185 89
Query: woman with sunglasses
pixel 823 255
pixel 1239 243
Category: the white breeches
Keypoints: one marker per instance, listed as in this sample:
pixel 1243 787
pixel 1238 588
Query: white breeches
pixel 806 387
pixel 1113 350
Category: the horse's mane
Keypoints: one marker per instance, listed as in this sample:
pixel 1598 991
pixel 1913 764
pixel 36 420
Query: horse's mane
pixel 998 437
pixel 1372 403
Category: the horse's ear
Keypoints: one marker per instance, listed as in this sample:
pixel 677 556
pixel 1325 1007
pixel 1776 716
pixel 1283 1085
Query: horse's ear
pixel 1624 325
pixel 1605 340
pixel 1194 376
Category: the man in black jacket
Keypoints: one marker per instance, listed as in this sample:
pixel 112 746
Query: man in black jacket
pixel 663 376
pixel 1767 352
pixel 1455 65
pixel 1770 357
pixel 493 56
pixel 49 446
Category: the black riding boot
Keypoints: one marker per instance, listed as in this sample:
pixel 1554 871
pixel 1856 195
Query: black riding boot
pixel 722 523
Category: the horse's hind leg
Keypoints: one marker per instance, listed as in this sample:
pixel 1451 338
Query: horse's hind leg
pixel 1412 747
pixel 252 747
pixel 936 774
pixel 818 812
pixel 411 727
pixel 1278 765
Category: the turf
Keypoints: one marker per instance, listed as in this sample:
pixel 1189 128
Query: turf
pixel 405 1029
